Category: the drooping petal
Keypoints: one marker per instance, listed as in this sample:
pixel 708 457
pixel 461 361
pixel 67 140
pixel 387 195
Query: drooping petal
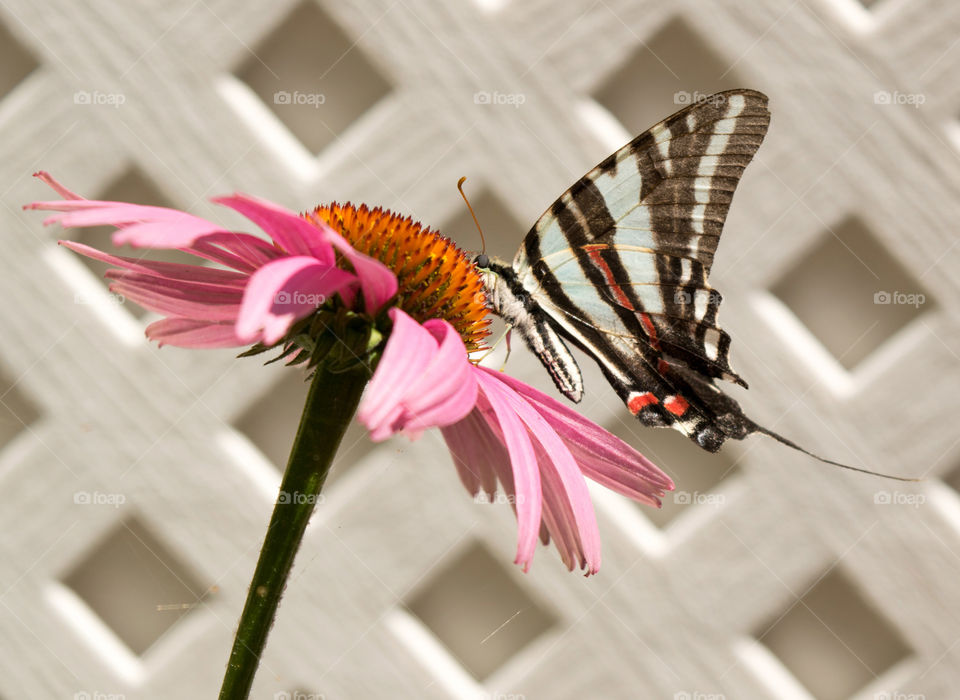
pixel 406 354
pixel 558 468
pixel 558 520
pixel 600 454
pixel 194 333
pixel 476 452
pixel 495 402
pixel 447 390
pixel 423 380
pixel 286 290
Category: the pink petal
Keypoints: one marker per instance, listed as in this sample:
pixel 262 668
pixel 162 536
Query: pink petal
pixel 292 232
pixel 44 176
pixel 447 389
pixel 284 291
pixel 558 519
pixel 140 225
pixel 408 352
pixel 194 333
pixel 179 299
pixel 423 380
pixel 526 472
pixel 241 251
pixel 170 232
pixel 199 291
pixel 298 236
pixel 377 281
pixel 176 271
pixel 603 454
pixel 476 452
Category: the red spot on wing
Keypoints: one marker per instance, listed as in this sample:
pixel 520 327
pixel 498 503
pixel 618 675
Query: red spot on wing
pixel 638 402
pixel 663 366
pixel 594 250
pixel 677 405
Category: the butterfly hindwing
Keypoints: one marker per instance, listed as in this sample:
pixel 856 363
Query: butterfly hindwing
pixel 620 261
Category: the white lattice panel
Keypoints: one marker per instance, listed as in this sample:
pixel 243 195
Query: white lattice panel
pixel 136 483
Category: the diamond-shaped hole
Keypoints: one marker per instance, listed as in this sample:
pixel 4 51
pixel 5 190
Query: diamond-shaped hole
pixel 477 611
pixel 663 75
pixel 131 186
pixel 952 479
pixel 833 641
pixel 500 227
pixel 16 63
pixel 696 473
pixel 271 424
pixel 313 76
pixel 16 412
pixel 851 293
pixel 137 586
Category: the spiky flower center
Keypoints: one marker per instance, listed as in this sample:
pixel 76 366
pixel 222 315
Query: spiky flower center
pixel 435 278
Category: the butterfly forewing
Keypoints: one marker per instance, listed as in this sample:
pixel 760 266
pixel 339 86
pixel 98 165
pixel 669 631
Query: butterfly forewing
pixel 620 261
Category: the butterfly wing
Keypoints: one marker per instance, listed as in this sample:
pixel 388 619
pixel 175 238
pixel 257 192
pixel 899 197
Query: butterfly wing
pixel 620 263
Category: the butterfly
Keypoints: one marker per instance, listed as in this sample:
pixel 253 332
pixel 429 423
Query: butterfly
pixel 618 266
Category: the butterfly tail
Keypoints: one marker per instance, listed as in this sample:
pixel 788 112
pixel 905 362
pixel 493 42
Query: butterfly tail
pixel 790 443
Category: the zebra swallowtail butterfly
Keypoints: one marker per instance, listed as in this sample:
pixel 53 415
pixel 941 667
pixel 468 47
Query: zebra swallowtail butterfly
pixel 618 267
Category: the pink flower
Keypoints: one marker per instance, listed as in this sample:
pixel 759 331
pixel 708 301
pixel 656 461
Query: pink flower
pixel 499 429
pixel 267 287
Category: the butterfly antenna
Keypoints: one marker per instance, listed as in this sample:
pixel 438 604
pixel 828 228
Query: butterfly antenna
pixel 791 443
pixel 483 242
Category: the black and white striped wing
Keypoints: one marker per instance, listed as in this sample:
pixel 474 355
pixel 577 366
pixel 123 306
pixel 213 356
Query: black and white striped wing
pixel 620 261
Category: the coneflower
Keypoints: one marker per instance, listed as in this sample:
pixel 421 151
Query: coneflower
pixel 366 299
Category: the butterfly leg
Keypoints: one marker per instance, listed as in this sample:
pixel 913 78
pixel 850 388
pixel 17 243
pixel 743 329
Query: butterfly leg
pixel 506 337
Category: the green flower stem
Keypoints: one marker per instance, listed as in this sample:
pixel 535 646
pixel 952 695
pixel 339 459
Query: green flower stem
pixel 331 403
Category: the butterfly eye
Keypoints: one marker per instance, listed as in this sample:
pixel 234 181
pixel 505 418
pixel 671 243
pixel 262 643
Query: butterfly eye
pixel 482 261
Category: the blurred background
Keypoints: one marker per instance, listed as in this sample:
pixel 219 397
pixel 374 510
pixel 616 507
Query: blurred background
pixel 136 483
